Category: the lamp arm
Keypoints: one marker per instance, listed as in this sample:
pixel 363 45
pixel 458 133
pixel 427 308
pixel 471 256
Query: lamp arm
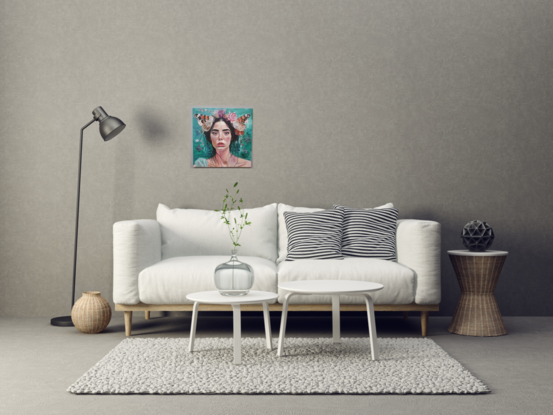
pixel 77 215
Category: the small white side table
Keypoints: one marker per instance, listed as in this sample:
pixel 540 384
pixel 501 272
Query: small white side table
pixel 213 297
pixel 334 288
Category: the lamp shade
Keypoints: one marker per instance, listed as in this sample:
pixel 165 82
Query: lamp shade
pixel 110 127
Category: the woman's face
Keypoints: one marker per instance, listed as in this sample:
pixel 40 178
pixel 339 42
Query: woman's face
pixel 220 136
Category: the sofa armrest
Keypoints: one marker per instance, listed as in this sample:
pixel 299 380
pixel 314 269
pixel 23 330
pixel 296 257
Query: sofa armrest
pixel 136 246
pixel 418 247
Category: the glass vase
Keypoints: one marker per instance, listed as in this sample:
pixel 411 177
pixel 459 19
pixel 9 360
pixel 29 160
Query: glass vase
pixel 234 277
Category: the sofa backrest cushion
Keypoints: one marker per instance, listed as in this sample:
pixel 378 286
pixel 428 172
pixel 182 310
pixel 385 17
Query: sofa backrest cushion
pixel 189 232
pixel 283 233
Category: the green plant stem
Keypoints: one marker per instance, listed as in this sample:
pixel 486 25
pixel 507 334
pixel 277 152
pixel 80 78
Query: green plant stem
pixel 235 232
pixel 239 226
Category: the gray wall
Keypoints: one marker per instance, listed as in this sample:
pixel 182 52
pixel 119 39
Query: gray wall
pixel 442 107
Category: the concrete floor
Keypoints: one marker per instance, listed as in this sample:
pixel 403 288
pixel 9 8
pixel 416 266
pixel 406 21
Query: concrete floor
pixel 38 362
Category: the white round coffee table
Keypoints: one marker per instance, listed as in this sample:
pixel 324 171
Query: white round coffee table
pixel 213 297
pixel 334 288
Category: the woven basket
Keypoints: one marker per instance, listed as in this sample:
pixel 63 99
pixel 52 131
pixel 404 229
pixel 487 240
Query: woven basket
pixel 91 313
pixel 477 313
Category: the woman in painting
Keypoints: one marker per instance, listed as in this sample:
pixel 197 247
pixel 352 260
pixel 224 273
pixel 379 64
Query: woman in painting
pixel 222 140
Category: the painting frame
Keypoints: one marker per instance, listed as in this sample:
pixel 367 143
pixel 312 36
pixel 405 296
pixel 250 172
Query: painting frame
pixel 222 136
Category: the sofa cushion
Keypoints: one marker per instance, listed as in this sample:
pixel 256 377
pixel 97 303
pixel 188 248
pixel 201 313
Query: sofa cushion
pixel 283 233
pixel 171 280
pixel 314 235
pixel 190 232
pixel 399 281
pixel 369 233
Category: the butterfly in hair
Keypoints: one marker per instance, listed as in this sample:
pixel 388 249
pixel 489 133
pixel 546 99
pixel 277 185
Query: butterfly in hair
pixel 240 124
pixel 205 121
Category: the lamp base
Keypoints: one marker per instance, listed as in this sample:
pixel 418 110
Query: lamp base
pixel 62 321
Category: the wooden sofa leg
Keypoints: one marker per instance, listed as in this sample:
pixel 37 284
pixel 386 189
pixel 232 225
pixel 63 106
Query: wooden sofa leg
pixel 405 315
pixel 147 315
pixel 424 322
pixel 128 323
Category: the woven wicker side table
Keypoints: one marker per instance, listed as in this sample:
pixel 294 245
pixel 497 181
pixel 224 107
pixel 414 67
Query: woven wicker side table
pixel 477 313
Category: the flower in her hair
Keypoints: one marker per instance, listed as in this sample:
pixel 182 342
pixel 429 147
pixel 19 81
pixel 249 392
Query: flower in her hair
pixel 221 114
pixel 232 116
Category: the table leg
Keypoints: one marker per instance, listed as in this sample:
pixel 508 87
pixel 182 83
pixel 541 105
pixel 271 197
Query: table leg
pixel 283 323
pixel 372 325
pixel 237 329
pixel 267 319
pixel 335 319
pixel 193 327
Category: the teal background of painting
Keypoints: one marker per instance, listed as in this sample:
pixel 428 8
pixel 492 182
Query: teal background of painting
pixel 199 144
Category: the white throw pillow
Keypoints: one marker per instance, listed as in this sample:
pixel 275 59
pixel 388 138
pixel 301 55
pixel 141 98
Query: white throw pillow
pixel 283 233
pixel 191 232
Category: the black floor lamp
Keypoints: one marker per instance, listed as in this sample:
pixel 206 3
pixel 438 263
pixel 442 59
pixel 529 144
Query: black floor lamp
pixel 109 128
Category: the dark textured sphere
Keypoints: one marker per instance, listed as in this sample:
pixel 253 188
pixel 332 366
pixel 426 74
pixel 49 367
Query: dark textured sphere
pixel 477 236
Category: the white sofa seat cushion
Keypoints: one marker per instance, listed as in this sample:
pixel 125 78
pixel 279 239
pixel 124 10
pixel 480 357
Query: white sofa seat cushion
pixel 171 280
pixel 399 281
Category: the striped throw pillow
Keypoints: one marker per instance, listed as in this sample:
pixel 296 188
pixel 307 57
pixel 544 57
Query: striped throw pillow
pixel 314 235
pixel 369 233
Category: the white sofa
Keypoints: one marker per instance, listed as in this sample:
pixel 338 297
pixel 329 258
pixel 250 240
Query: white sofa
pixel 158 262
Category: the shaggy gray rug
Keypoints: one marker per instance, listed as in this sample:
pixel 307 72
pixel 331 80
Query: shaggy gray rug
pixel 310 366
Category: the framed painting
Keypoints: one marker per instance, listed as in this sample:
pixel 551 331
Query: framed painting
pixel 222 137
